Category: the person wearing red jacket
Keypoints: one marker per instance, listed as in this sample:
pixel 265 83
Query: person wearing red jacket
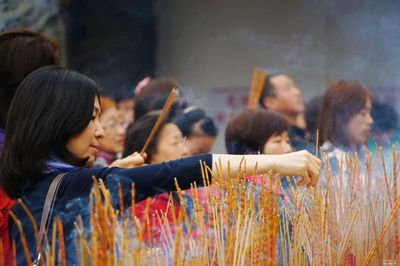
pixel 21 52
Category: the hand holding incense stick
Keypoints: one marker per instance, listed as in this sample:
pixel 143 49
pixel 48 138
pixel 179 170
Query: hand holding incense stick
pixel 168 104
pixel 133 160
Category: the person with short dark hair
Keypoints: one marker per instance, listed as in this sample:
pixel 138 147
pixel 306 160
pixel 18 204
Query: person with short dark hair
pixel 257 131
pixel 280 94
pixel 21 52
pixel 151 103
pixel 157 86
pixel 198 128
pixel 166 145
pixel 147 104
pixel 114 124
pixel 260 131
pixel 53 128
pixel 126 105
pixel 153 95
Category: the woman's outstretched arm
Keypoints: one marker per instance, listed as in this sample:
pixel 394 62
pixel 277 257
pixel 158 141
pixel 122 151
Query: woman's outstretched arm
pixel 301 163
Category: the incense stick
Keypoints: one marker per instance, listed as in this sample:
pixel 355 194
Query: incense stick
pixel 167 106
pixel 239 223
pixel 23 239
pixel 256 87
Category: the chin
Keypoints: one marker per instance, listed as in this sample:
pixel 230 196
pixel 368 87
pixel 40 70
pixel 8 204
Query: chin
pixel 301 110
pixel 362 143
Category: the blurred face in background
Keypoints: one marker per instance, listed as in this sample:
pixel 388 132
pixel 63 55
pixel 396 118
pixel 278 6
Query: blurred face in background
pixel 278 144
pixel 114 127
pixel 287 97
pixel 199 142
pixel 359 126
pixel 170 145
pixel 126 107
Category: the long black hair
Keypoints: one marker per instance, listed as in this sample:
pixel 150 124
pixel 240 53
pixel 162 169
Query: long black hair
pixel 51 105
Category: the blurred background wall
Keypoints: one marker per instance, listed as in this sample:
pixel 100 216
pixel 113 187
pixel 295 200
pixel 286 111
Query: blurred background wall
pixel 209 44
pixel 212 47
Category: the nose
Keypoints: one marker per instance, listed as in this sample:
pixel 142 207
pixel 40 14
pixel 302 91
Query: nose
pixel 288 148
pixel 121 129
pixel 296 90
pixel 370 119
pixel 98 130
pixel 185 148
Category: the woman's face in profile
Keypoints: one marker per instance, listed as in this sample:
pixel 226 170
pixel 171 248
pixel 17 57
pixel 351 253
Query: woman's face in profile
pixel 86 143
pixel 359 126
pixel 200 144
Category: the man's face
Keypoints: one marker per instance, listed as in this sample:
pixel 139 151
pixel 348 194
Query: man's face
pixel 287 98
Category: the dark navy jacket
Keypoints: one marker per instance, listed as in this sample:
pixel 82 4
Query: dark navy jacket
pixel 73 194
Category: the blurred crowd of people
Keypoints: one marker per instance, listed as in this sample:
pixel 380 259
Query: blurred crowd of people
pixel 347 117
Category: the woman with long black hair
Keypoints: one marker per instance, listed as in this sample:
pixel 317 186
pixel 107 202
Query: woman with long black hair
pixel 53 127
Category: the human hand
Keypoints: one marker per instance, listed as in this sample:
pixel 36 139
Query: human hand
pixel 301 163
pixel 133 160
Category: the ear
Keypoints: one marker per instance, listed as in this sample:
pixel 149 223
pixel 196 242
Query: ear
pixel 269 103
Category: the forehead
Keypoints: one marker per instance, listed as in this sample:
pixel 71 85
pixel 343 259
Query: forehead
pixel 111 112
pixel 170 130
pixel 282 134
pixel 368 103
pixel 96 106
pixel 281 80
pixel 96 102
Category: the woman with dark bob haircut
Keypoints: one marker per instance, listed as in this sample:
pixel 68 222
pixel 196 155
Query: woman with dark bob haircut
pixel 345 119
pixel 257 131
pixel 53 127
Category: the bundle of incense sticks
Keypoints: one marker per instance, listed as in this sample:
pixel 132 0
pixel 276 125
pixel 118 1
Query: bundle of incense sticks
pixel 350 219
pixel 256 87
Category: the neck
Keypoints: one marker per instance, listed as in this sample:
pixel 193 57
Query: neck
pixel 291 119
pixel 349 147
pixel 354 147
